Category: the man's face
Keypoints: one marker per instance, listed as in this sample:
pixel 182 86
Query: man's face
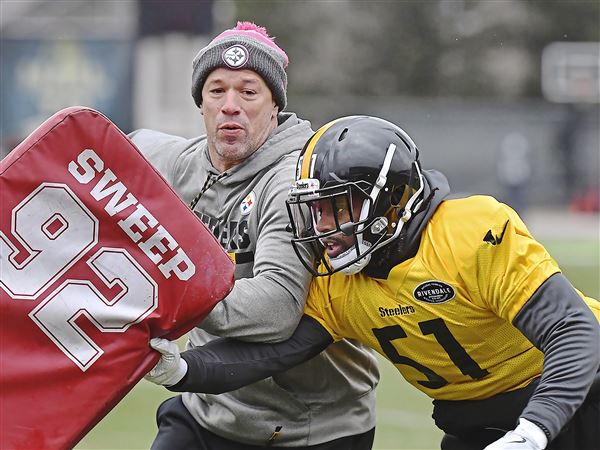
pixel 239 115
pixel 324 213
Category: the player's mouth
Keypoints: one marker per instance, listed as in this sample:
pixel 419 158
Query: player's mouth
pixel 334 247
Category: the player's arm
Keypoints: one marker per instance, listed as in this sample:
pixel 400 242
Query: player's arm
pixel 226 364
pixel 560 324
pixel 521 283
pixel 267 306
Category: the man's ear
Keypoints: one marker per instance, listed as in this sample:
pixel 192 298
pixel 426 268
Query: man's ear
pixel 274 111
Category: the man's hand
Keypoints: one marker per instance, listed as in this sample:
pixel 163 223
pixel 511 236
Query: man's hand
pixel 527 436
pixel 171 368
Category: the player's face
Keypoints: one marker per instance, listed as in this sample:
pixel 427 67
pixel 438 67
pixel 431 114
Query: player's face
pixel 239 115
pixel 325 212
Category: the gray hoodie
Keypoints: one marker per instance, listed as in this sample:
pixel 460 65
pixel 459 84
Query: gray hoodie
pixel 329 396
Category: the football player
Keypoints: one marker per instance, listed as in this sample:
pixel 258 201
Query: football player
pixel 454 291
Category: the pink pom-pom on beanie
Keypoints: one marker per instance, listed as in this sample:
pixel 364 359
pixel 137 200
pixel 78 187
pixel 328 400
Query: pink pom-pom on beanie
pixel 247 46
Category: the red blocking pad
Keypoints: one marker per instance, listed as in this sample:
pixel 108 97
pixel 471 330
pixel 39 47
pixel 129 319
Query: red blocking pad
pixel 97 255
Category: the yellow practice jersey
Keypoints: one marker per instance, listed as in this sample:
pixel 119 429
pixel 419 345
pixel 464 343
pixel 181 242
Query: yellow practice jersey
pixel 444 316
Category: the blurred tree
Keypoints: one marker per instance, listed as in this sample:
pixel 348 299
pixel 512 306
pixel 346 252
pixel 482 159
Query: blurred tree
pixel 423 48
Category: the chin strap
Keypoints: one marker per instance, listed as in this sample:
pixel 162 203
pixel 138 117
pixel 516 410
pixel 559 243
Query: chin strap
pixel 363 246
pixel 350 254
pixel 412 205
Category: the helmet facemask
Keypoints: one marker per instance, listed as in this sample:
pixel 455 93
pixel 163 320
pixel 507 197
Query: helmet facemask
pixel 332 221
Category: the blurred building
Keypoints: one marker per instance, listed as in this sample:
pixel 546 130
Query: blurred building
pixel 63 53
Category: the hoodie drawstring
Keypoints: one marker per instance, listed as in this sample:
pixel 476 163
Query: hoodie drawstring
pixel 210 180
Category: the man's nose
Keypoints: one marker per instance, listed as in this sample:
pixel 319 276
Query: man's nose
pixel 231 105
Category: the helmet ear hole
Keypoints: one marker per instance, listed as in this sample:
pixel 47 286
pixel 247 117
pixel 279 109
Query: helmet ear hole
pixel 343 135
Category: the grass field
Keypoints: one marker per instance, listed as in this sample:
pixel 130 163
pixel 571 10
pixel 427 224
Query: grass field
pixel 404 414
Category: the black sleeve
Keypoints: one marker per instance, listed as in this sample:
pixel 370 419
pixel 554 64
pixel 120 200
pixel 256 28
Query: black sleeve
pixel 560 324
pixel 226 364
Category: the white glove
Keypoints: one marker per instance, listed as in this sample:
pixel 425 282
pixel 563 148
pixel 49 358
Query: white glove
pixel 527 436
pixel 170 368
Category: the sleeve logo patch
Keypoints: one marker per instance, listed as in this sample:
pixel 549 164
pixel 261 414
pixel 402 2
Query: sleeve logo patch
pixel 434 292
pixel 247 204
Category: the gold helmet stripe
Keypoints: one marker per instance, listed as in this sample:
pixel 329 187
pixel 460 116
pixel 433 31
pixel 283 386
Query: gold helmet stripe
pixel 310 148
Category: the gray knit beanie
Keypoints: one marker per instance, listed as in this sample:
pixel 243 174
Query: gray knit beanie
pixel 247 46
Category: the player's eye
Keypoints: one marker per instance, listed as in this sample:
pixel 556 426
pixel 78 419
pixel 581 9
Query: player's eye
pixel 341 210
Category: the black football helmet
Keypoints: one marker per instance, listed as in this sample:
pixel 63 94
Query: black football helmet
pixel 365 172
